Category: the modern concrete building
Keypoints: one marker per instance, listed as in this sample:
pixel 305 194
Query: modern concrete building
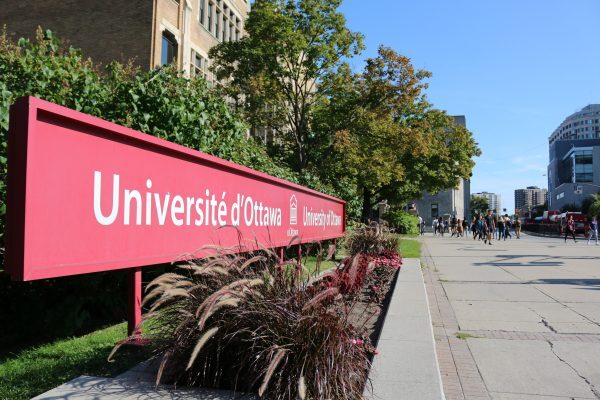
pixel 573 171
pixel 526 199
pixel 150 32
pixel 452 202
pixel 574 158
pixel 584 124
pixel 493 199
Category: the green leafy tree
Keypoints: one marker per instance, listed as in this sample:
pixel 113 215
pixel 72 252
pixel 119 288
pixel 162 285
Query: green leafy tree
pixel 479 205
pixel 389 139
pixel 594 208
pixel 277 73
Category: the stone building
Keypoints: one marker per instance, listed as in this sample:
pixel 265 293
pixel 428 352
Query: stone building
pixel 150 32
pixel 447 203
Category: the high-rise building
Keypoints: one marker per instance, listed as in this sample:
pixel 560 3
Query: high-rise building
pixel 149 32
pixel 574 158
pixel 450 202
pixel 526 199
pixel 583 124
pixel 493 200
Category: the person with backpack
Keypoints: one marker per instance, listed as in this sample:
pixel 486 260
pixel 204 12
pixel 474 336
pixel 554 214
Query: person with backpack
pixel 507 227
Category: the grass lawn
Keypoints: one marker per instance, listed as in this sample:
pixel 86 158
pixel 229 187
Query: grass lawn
pixel 37 370
pixel 410 246
pixel 310 263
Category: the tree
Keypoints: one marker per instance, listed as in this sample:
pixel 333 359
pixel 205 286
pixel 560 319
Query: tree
pixel 479 205
pixel 277 73
pixel 594 207
pixel 389 138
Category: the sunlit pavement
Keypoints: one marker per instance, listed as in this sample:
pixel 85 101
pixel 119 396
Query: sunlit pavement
pixel 529 315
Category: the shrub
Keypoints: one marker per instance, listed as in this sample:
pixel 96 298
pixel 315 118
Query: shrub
pixel 243 322
pixel 370 240
pixel 403 222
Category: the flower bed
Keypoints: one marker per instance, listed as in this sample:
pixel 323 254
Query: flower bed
pixel 248 323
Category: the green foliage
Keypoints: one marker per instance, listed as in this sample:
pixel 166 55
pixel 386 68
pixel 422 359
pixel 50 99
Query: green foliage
pixel 159 102
pixel 276 73
pixel 388 137
pixel 40 369
pixel 479 205
pixel 594 207
pixel 79 304
pixel 403 221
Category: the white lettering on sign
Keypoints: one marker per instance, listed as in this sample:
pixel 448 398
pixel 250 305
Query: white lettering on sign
pixel 207 210
pixel 321 218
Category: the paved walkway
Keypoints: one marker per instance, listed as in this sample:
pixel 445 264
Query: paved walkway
pixel 526 313
pixel 406 367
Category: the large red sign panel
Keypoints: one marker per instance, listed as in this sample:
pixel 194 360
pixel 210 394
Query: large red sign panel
pixel 87 195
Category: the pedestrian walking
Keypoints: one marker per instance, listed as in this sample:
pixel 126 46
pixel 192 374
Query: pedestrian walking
pixel 490 226
pixel 593 230
pixel 501 228
pixel 570 229
pixel 507 227
pixel 518 227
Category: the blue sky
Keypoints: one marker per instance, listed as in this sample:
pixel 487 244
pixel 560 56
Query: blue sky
pixel 515 69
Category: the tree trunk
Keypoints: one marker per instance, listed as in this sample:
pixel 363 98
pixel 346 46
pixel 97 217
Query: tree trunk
pixel 367 209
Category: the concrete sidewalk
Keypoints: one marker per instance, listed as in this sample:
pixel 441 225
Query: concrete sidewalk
pixel 526 313
pixel 406 367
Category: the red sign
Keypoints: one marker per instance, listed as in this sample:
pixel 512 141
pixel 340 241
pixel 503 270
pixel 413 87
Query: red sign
pixel 86 195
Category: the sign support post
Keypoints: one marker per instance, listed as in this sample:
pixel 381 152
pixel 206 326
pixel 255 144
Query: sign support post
pixel 134 301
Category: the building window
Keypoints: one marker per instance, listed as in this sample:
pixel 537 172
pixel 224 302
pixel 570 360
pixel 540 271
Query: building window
pixel 169 48
pixel 201 16
pixel 197 67
pixel 583 165
pixel 209 16
pixel 218 24
pixel 434 211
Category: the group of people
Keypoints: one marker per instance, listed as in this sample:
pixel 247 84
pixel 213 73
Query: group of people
pixel 591 229
pixel 483 227
pixel 490 226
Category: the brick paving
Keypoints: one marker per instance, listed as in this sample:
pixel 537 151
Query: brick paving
pixel 461 378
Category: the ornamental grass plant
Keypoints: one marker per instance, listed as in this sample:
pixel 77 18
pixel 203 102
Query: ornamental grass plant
pixel 371 240
pixel 250 323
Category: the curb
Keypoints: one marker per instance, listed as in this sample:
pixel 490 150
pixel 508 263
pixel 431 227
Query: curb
pixel 407 365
